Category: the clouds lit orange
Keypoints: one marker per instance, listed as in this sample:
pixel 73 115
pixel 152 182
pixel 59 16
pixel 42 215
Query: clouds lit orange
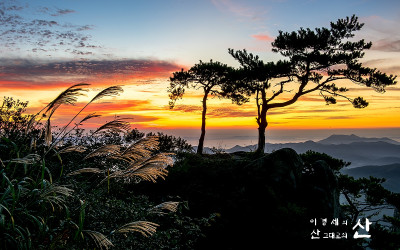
pixel 139 45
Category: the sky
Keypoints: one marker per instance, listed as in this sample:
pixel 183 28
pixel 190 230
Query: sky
pixel 47 46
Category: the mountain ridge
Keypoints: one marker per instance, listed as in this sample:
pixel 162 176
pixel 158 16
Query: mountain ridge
pixel 391 172
pixel 346 139
pixel 360 151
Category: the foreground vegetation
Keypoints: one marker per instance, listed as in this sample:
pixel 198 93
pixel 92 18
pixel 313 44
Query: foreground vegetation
pixel 67 189
pixel 61 189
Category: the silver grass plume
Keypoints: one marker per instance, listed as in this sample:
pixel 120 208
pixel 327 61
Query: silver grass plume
pixel 54 194
pixel 48 138
pixel 149 169
pixel 117 125
pixel 146 228
pixel 73 148
pixel 30 123
pixel 170 206
pixel 110 91
pixel 141 149
pixel 100 239
pixel 89 116
pixel 142 164
pixel 68 96
pixel 29 159
pixel 86 170
pixel 107 150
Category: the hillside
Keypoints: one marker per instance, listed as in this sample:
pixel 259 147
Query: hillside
pixel 390 172
pixel 346 139
pixel 250 198
pixel 359 151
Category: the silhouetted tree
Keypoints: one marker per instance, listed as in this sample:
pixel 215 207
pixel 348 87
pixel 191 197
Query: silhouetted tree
pixel 316 60
pixel 212 78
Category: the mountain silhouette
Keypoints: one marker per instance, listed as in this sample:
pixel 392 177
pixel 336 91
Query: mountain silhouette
pixel 359 151
pixel 390 172
pixel 346 139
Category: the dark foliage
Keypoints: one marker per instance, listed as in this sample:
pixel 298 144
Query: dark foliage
pixel 213 78
pixel 315 61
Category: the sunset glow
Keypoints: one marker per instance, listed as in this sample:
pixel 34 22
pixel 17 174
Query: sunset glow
pixel 140 53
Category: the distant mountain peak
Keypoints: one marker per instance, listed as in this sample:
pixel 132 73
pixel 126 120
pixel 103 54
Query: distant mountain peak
pixel 347 139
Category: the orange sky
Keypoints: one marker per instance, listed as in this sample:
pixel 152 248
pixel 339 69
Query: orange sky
pixel 70 44
pixel 145 99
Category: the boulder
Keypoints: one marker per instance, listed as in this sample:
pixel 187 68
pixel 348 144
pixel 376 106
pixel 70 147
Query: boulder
pixel 321 191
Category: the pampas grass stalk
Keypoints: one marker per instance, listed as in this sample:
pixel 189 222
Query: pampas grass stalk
pixel 146 228
pixel 110 91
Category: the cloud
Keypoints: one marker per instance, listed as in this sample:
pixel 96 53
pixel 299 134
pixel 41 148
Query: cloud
pixel 238 9
pixel 229 112
pixel 380 25
pixel 187 108
pixel 387 44
pixel 60 12
pixel 294 110
pixel 383 33
pixel 108 110
pixel 61 118
pixel 51 11
pixel 217 112
pixel 311 117
pixel 387 65
pixel 118 107
pixel 263 37
pixel 339 117
pixel 22 73
pixel 21 33
pixel 100 108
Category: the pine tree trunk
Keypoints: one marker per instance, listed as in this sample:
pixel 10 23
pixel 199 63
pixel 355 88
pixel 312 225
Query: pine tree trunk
pixel 203 125
pixel 262 125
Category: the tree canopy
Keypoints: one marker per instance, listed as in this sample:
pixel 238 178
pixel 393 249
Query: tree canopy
pixel 315 61
pixel 213 78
